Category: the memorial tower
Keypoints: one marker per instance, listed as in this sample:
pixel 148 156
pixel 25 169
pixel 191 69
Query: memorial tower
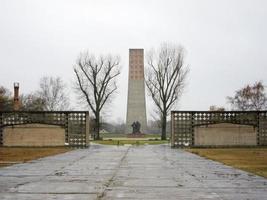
pixel 136 103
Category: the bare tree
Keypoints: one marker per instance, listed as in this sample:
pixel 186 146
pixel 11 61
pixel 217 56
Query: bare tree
pixel 96 82
pixel 165 79
pixel 216 108
pixel 32 102
pixel 250 97
pixel 52 91
pixel 6 102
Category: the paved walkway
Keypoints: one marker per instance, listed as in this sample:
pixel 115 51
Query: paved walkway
pixel 144 172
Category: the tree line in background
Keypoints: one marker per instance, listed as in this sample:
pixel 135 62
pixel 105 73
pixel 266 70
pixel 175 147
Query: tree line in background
pixel 96 84
pixel 51 96
pixel 249 98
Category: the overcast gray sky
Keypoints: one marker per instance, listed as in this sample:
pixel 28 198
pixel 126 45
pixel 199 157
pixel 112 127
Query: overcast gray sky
pixel 225 41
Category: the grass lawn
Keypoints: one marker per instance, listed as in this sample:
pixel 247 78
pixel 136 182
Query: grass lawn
pixel 130 141
pixel 120 135
pixel 13 155
pixel 253 160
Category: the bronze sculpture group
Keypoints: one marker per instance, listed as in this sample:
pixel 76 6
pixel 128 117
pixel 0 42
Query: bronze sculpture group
pixel 136 127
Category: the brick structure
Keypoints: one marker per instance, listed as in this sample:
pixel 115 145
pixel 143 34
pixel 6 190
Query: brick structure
pixel 16 104
pixel 136 104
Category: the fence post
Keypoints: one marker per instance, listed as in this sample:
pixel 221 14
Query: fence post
pixel 258 129
pixel 87 128
pixel 1 128
pixel 192 128
pixel 172 129
pixel 66 127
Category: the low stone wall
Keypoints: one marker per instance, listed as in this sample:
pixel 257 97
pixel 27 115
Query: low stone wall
pixel 225 134
pixel 33 135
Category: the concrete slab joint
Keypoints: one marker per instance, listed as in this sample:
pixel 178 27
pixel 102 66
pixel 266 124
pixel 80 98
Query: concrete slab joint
pixel 138 172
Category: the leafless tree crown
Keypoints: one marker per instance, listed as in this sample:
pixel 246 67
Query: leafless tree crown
pixel 32 102
pixel 165 75
pixel 52 92
pixel 250 97
pixel 165 79
pixel 6 101
pixel 96 79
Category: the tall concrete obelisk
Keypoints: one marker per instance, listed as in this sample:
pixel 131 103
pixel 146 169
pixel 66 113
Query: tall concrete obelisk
pixel 136 104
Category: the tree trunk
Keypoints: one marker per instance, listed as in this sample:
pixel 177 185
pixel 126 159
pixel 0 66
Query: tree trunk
pixel 163 126
pixel 97 127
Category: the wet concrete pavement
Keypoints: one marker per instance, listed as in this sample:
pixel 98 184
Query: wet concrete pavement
pixel 128 172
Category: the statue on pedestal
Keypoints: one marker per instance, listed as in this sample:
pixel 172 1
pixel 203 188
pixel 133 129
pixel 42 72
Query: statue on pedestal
pixel 136 127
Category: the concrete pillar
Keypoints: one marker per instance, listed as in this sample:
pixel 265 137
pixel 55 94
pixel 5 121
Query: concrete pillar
pixel 87 129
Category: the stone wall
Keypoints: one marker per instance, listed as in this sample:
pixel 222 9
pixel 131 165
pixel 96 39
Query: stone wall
pixel 33 135
pixel 225 134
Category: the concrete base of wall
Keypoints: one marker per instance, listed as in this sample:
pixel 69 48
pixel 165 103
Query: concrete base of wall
pixel 33 135
pixel 225 134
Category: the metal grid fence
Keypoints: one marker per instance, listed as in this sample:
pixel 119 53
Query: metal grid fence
pixel 183 123
pixel 75 123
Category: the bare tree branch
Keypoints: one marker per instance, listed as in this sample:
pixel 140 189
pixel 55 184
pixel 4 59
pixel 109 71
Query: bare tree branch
pixel 96 81
pixel 250 97
pixel 165 79
pixel 52 91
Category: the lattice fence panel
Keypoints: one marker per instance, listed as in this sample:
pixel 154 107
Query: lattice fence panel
pixel 74 123
pixel 262 134
pixel 183 123
pixel 182 132
pixel 76 127
pixel 1 129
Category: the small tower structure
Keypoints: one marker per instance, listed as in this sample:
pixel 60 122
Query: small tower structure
pixel 16 105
